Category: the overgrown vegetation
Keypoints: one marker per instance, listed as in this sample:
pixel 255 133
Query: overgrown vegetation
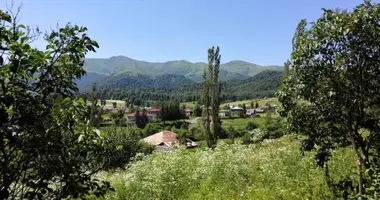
pixel 270 170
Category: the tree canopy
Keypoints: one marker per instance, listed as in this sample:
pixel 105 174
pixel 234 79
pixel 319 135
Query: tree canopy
pixel 48 146
pixel 332 91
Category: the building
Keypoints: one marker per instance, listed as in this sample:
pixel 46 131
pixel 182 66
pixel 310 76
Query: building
pixel 132 117
pixel 163 141
pixel 155 112
pixel 236 111
pixel 224 113
pixel 251 112
pixel 259 110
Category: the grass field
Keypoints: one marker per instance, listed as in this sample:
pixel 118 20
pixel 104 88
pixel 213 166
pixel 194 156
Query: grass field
pixel 240 123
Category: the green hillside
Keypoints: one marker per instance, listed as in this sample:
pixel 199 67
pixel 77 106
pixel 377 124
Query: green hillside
pixel 130 80
pixel 120 65
pixel 172 87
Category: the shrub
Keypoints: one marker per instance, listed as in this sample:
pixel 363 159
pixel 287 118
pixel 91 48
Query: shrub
pixel 259 135
pixel 126 141
pixel 251 125
pixel 151 129
pixel 247 138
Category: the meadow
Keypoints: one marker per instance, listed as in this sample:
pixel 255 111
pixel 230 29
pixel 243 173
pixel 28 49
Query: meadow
pixel 273 169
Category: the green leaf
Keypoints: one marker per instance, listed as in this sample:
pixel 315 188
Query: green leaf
pixel 23 39
pixel 97 131
pixel 94 43
pixel 119 147
pixel 21 26
pixel 10 110
pixel 80 101
pixel 66 100
pixel 80 138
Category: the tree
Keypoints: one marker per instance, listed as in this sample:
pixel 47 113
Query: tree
pixel 114 104
pixel 197 111
pixel 141 119
pixel 244 114
pixel 257 104
pixel 126 103
pixel 48 150
pixel 95 110
pixel 211 97
pixel 332 92
pixel 252 104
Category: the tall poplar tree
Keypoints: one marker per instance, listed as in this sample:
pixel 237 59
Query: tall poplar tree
pixel 211 96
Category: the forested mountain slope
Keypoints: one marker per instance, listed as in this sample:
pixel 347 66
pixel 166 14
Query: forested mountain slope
pixel 263 84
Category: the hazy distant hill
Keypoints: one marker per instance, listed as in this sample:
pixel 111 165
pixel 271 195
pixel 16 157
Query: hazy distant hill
pixel 193 71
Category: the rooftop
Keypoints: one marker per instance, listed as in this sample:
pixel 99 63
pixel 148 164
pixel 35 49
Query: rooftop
pixel 163 137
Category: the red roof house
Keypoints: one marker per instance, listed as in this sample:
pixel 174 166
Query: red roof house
pixel 163 139
pixel 132 117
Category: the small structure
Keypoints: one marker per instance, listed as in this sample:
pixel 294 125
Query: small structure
pixel 155 112
pixel 236 111
pixel 259 110
pixel 224 113
pixel 132 117
pixel 251 112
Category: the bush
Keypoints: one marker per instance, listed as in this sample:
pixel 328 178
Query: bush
pixel 259 135
pixel 251 125
pixel 151 129
pixel 127 141
pixel 247 138
pixel 196 133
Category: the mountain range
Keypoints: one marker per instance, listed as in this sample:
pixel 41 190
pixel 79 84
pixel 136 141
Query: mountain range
pixel 131 72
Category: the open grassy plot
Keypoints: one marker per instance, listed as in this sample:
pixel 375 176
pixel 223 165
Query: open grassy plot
pixel 240 123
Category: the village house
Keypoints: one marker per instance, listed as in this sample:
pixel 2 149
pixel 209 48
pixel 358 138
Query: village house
pixel 224 113
pixel 166 141
pixel 251 112
pixel 155 112
pixel 236 111
pixel 132 117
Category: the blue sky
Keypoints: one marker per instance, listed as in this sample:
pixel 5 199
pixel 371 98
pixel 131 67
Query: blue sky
pixel 258 31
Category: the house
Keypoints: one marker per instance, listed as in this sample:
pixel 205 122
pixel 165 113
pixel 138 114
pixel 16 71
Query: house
pixel 155 112
pixel 259 110
pixel 224 113
pixel 164 140
pixel 251 112
pixel 132 117
pixel 188 112
pixel 236 111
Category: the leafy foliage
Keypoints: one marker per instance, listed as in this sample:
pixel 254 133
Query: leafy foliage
pixel 171 111
pixel 331 93
pixel 48 148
